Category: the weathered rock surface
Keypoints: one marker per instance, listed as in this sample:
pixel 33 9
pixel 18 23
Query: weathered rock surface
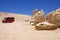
pixel 38 16
pixel 45 26
pixel 54 17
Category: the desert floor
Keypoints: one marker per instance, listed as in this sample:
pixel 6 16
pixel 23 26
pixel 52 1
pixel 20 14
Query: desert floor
pixel 21 30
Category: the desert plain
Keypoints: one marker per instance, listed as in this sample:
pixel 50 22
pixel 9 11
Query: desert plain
pixel 21 30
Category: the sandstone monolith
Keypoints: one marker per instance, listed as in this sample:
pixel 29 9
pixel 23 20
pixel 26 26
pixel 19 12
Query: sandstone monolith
pixel 38 16
pixel 54 17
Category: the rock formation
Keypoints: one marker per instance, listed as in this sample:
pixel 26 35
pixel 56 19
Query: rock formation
pixel 37 16
pixel 45 26
pixel 35 12
pixel 39 20
pixel 54 17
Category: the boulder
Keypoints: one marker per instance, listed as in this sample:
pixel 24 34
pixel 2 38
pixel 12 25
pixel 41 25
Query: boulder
pixel 45 26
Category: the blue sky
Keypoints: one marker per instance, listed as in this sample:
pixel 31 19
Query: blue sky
pixel 27 6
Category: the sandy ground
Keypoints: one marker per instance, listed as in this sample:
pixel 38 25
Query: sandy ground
pixel 21 30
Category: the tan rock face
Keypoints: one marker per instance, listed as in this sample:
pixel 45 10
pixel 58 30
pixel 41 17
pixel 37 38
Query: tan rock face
pixel 54 17
pixel 38 16
pixel 35 12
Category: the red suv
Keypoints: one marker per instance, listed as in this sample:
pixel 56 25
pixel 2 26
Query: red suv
pixel 8 20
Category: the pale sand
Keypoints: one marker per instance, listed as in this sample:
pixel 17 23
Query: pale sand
pixel 21 30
